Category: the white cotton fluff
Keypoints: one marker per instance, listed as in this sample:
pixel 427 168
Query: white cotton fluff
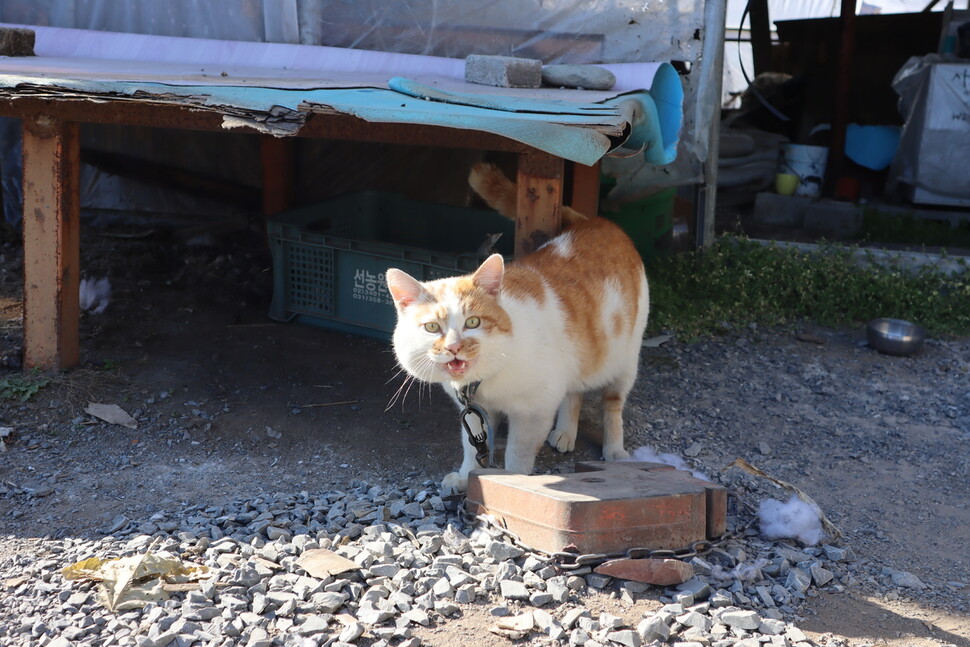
pixel 94 295
pixel 648 455
pixel 792 520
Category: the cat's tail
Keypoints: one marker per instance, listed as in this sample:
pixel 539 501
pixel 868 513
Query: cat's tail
pixel 499 193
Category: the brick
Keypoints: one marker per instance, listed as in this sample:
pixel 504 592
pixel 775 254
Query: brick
pixel 503 71
pixel 602 507
pixel 660 572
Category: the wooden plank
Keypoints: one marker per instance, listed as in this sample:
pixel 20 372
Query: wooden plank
pixel 51 230
pixel 585 189
pixel 278 157
pixel 323 126
pixel 539 201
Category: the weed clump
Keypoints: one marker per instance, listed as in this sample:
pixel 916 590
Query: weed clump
pixel 738 281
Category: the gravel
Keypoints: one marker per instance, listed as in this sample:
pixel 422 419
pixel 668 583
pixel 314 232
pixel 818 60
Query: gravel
pixel 416 566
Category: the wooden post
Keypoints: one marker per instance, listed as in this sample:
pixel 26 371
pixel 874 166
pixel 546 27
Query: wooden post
pixel 539 203
pixel 52 247
pixel 278 157
pixel 843 88
pixel 760 36
pixel 585 192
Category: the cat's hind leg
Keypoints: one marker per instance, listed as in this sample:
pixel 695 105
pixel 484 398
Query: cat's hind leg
pixel 614 399
pixel 563 435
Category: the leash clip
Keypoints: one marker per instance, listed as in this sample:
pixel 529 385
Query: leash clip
pixel 475 422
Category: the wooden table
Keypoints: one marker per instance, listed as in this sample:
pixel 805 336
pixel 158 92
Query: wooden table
pixel 51 201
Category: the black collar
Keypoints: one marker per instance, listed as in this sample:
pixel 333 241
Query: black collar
pixel 467 392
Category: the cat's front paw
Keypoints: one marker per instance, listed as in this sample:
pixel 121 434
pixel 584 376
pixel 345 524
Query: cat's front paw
pixel 562 440
pixel 453 483
pixel 615 453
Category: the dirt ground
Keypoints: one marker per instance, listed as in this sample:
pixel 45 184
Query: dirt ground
pixel 230 404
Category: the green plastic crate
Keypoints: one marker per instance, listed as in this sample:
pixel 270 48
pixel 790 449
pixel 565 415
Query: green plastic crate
pixel 329 259
pixel 648 222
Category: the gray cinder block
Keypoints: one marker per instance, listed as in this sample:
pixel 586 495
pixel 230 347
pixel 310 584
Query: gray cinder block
pixel 834 220
pixel 15 41
pixel 780 210
pixel 503 71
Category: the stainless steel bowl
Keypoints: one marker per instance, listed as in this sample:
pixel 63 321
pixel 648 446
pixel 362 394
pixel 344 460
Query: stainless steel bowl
pixel 895 336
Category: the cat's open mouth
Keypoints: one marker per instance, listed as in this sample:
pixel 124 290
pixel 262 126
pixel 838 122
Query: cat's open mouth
pixel 456 367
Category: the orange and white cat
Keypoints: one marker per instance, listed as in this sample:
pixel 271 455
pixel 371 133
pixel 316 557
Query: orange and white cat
pixel 535 335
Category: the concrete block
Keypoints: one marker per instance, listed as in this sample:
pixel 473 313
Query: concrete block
pixel 781 210
pixel 503 71
pixel 833 220
pixel 602 507
pixel 15 41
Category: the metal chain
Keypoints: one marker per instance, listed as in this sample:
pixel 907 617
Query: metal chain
pixel 569 561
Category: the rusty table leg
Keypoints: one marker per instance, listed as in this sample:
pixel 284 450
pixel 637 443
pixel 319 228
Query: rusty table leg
pixel 539 204
pixel 51 224
pixel 585 192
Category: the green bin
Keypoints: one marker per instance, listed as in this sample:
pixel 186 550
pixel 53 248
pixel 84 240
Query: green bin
pixel 329 259
pixel 648 222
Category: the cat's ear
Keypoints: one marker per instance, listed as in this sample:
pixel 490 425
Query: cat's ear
pixel 404 288
pixel 489 275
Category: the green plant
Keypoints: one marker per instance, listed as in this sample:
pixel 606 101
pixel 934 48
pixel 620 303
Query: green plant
pixel 907 229
pixel 22 386
pixel 737 282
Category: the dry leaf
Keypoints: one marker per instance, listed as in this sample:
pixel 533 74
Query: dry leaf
pixel 321 563
pixel 131 582
pixel 125 595
pixel 111 413
pixel 757 471
pixel 87 569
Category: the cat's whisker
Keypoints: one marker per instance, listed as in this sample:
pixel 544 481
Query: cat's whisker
pixel 396 374
pixel 410 384
pixel 397 394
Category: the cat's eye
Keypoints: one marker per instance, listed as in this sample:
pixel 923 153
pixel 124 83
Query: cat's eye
pixel 473 322
pixel 432 326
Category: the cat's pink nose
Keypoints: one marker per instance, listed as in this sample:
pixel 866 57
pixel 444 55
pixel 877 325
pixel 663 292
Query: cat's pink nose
pixel 454 347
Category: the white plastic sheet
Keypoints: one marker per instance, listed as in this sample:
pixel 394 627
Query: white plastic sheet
pixel 931 162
